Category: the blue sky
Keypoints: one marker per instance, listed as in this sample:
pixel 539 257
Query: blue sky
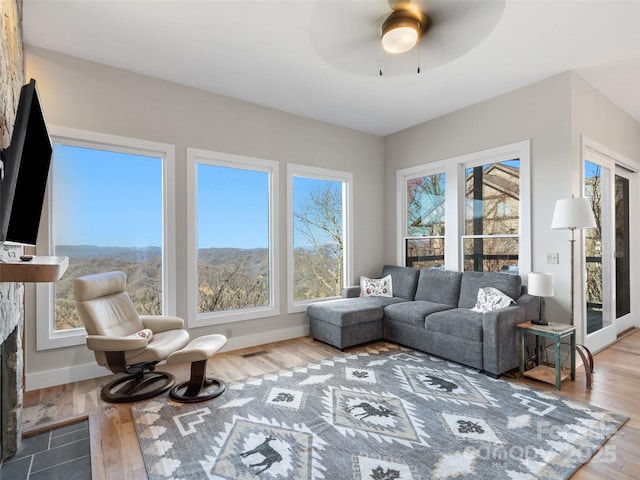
pixel 232 208
pixel 303 186
pixel 106 199
pixel 114 199
pixel 592 169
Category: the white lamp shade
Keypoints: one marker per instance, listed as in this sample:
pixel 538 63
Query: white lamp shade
pixel 540 284
pixel 573 213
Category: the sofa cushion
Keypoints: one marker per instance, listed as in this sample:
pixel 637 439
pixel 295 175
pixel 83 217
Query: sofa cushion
pixel 457 322
pixel 404 279
pixel 350 311
pixel 414 312
pixel 439 286
pixel 507 283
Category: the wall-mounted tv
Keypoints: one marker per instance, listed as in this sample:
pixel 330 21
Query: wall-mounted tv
pixel 26 168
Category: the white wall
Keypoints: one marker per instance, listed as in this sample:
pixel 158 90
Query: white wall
pixel 595 116
pixel 89 96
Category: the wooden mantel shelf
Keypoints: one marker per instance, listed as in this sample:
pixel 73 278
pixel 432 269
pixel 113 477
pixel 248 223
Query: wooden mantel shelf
pixel 40 269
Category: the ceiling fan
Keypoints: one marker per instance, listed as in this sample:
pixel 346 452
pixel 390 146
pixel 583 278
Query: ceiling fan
pixel 349 35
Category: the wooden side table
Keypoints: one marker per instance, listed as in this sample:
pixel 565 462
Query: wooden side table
pixel 555 331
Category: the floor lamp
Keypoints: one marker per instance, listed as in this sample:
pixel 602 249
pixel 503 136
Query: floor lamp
pixel 572 214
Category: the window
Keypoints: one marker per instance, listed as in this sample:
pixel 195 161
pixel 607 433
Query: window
pixel 107 205
pixel 426 196
pixel 504 209
pixel 319 234
pixel 232 237
pixel 491 235
pixel 467 213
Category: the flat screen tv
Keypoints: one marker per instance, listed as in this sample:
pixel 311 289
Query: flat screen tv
pixel 26 168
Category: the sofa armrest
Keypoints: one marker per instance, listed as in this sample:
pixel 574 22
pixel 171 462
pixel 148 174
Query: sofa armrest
pixel 500 335
pixel 351 292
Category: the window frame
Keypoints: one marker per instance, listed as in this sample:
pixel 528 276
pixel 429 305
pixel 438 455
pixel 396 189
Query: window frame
pixel 346 178
pixel 454 170
pixel 197 156
pixel 47 337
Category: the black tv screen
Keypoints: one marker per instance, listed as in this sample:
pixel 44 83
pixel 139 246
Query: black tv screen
pixel 26 169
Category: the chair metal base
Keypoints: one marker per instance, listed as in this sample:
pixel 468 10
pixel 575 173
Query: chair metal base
pixel 198 388
pixel 131 388
pixel 206 393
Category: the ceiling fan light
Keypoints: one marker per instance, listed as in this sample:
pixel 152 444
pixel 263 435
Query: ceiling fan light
pixel 401 31
pixel 400 40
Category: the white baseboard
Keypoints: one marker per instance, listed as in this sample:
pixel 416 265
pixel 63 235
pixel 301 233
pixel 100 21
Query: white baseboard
pixel 51 378
pixel 60 376
pixel 246 341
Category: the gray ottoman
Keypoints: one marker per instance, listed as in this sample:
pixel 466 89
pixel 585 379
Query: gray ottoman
pixel 345 322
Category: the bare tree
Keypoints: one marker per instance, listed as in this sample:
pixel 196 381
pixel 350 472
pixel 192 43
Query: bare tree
pixel 425 200
pixel 318 264
pixel 593 241
pixel 231 287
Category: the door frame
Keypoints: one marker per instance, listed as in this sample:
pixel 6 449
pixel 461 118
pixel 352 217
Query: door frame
pixel 597 153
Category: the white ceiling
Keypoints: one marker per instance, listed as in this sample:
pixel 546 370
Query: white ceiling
pixel 321 59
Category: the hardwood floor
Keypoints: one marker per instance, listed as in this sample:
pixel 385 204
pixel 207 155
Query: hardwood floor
pixel 115 453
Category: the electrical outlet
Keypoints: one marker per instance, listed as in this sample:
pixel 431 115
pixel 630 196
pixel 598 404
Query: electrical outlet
pixel 552 258
pixel 229 333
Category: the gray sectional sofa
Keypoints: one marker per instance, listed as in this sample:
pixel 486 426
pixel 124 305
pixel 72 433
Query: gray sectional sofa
pixel 430 310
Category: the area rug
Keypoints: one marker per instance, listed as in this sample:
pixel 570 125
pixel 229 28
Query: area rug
pixel 390 414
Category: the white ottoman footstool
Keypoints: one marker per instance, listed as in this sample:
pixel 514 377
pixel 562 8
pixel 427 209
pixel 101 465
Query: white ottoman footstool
pixel 198 388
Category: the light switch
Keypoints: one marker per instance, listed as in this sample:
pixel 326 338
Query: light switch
pixel 552 258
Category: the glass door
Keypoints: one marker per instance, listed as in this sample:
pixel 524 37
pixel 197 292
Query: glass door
pixel 599 290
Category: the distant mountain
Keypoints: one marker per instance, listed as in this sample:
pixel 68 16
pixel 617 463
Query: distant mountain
pixel 143 267
pixel 228 277
pixel 92 251
pixel 205 255
pixel 254 260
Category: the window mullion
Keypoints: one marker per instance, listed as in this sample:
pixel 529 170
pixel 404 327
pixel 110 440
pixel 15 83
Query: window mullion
pixel 455 212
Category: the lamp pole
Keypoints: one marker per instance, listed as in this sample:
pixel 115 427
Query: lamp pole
pixel 572 241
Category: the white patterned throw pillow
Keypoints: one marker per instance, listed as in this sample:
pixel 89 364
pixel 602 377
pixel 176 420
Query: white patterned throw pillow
pixel 144 333
pixel 490 299
pixel 376 287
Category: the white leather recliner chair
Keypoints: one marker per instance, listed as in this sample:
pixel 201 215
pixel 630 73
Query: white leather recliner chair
pixel 124 341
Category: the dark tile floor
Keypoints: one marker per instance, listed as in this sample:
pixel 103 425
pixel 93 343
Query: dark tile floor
pixel 62 453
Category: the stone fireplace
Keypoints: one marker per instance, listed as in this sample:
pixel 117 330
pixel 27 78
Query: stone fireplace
pixel 11 361
pixel 11 294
